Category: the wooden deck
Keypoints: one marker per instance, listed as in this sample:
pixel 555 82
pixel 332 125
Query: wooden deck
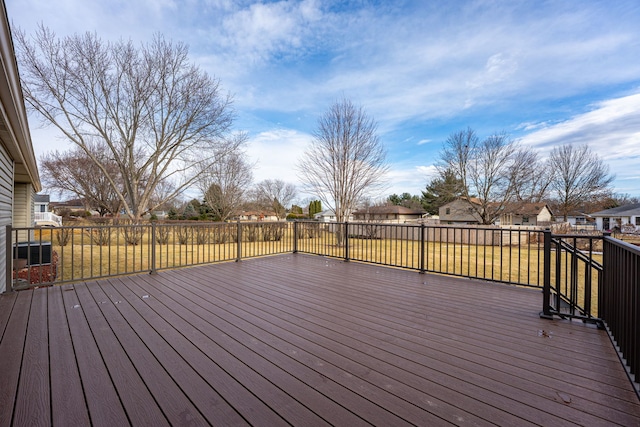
pixel 301 340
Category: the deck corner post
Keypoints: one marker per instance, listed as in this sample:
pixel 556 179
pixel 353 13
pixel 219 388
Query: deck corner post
pixel 422 251
pixel 346 241
pixel 295 237
pixel 153 248
pixel 239 239
pixel 9 260
pixel 546 290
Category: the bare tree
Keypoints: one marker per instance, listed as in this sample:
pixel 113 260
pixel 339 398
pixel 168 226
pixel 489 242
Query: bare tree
pixel 225 183
pixel 486 168
pixel 346 160
pixel 275 194
pixel 579 175
pixel 73 171
pixel 530 176
pixel 152 112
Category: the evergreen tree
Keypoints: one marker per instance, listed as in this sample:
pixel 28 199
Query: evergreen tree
pixel 441 190
pixel 315 207
pixel 406 200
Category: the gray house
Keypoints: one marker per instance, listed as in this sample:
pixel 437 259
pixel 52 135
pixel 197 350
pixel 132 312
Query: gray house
pixel 621 218
pixel 19 179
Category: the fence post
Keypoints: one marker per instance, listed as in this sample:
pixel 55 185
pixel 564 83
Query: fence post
pixel 346 241
pixel 546 290
pixel 295 237
pixel 239 237
pixel 9 261
pixel 153 248
pixel 422 245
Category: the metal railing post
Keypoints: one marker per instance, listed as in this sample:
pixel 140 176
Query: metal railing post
pixel 9 261
pixel 346 241
pixel 546 290
pixel 295 237
pixel 422 251
pixel 239 244
pixel 153 248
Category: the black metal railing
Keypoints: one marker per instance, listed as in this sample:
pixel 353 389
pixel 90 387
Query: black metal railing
pixel 508 255
pixel 588 277
pixel 619 302
pixel 573 276
pixel 77 253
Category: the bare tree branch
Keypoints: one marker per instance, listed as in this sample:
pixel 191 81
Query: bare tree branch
pixel 225 182
pixel 579 175
pixel 275 194
pixel 486 168
pixel 154 113
pixel 346 160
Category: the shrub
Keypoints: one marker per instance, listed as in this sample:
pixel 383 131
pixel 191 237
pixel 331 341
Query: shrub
pixel 162 235
pixel 202 234
pixel 133 234
pixel 99 235
pixel 63 236
pixel 183 234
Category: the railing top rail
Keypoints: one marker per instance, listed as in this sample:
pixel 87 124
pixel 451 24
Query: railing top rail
pixel 577 236
pixel 622 244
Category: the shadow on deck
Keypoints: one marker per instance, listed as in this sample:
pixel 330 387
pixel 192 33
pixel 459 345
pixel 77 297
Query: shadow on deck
pixel 301 340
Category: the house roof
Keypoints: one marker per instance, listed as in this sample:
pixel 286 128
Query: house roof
pixel 526 208
pixel 42 198
pixel 626 210
pixel 471 200
pixel 14 129
pixel 393 209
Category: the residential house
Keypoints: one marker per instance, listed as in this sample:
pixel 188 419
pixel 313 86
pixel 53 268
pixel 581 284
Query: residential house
pixel 19 178
pixel 526 214
pixel 461 211
pixel 42 216
pixel 621 218
pixel 328 215
pixel 257 216
pixel 41 202
pixel 389 214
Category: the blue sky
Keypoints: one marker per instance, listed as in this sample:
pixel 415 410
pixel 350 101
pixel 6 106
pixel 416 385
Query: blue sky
pixel 545 72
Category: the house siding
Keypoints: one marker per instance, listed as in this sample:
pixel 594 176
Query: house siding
pixel 23 205
pixel 6 211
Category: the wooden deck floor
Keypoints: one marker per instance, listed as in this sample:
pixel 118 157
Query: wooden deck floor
pixel 301 340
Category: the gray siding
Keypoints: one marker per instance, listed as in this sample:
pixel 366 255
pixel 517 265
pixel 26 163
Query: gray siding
pixel 6 210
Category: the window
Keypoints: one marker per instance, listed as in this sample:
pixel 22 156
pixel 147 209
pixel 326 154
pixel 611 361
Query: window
pixel 448 211
pixel 638 220
pixel 525 219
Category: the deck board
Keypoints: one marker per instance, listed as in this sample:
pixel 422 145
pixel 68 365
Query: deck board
pixel 33 409
pixel 68 404
pixel 301 340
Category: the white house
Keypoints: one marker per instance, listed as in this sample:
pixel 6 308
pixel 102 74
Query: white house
pixel 621 218
pixel 41 215
pixel 19 178
pixel 328 215
pixel 390 214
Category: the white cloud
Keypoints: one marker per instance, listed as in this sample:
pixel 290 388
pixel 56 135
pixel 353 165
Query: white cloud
pixel 276 154
pixel 611 128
